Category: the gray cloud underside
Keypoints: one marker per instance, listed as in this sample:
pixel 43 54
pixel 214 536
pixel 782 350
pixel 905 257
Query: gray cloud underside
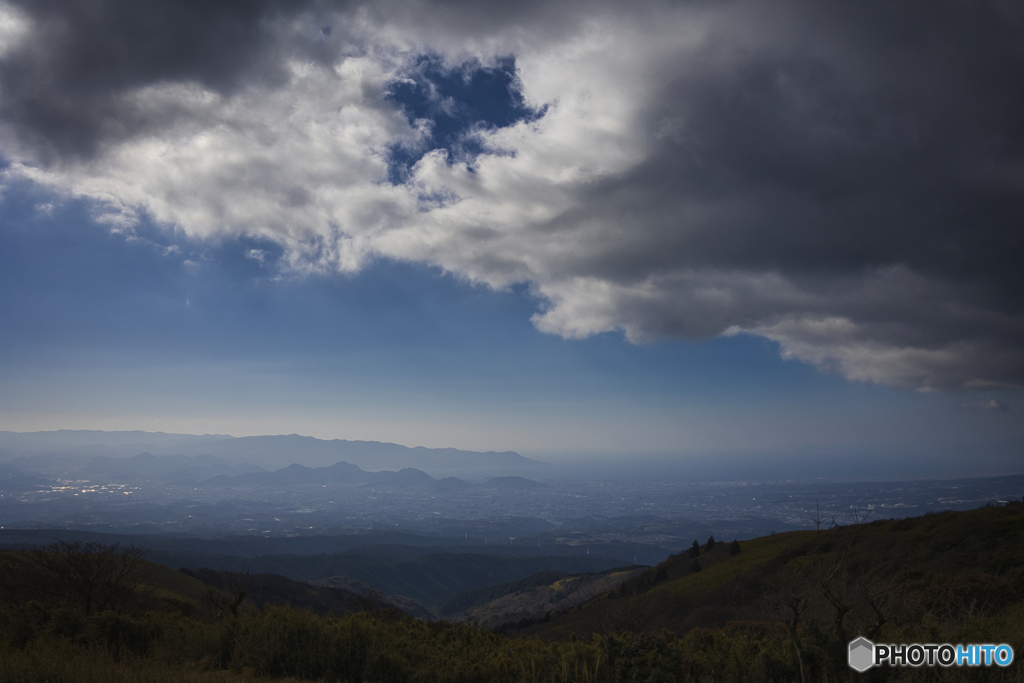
pixel 846 179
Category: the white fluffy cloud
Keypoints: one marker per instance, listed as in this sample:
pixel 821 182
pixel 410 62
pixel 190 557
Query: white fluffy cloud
pixel 698 169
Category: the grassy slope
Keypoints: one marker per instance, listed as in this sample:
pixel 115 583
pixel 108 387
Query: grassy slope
pixel 936 564
pixel 719 568
pixel 168 583
pixel 538 595
pixel 476 597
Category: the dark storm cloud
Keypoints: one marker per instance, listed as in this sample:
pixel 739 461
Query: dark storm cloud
pixel 61 87
pixel 846 179
pixel 861 138
pixel 834 159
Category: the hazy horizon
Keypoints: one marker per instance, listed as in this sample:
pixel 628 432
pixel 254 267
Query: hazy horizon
pixel 838 464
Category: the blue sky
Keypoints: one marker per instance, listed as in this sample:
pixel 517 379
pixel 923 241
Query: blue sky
pixel 668 233
pixel 111 333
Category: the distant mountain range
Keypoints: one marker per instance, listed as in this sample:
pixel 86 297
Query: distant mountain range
pixel 71 449
pixel 211 472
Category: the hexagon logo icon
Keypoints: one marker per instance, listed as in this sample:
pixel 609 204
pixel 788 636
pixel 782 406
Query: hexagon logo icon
pixel 862 655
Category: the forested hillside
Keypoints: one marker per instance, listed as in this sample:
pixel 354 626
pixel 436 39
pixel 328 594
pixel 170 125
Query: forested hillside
pixel 777 608
pixel 947 577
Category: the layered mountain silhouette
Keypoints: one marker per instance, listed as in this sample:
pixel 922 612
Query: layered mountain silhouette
pixel 70 450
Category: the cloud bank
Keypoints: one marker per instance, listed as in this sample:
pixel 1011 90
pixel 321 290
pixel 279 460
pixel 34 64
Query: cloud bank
pixel 846 179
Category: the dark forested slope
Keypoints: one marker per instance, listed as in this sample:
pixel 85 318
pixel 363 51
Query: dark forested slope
pixel 777 608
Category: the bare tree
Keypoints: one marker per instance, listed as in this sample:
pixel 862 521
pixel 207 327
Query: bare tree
pixel 91 577
pixel 790 598
pixel 855 591
pixel 876 593
pixel 236 586
pixel 858 516
pixel 816 518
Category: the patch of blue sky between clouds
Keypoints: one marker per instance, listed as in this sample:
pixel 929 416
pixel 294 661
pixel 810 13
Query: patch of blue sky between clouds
pixel 451 105
pixel 70 289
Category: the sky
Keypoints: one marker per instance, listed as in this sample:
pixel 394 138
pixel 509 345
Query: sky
pixel 608 231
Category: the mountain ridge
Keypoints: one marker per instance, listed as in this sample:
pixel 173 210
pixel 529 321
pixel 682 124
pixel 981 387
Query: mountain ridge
pixel 266 451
